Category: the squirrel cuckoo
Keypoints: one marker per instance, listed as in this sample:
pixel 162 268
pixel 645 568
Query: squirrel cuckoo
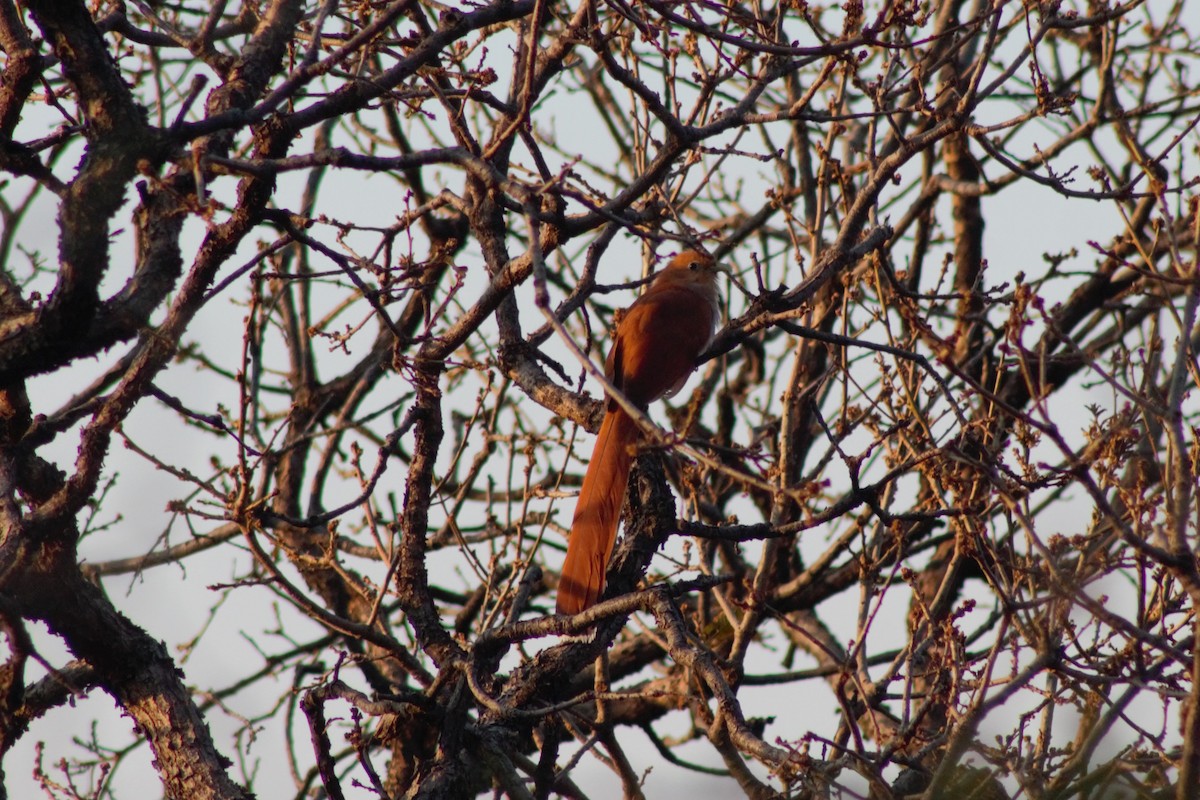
pixel 654 351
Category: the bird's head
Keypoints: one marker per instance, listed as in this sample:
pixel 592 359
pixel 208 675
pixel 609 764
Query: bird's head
pixel 695 267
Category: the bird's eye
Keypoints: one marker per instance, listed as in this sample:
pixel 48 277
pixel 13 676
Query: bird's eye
pixel 695 265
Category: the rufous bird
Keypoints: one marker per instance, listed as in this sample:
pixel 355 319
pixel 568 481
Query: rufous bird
pixel 654 352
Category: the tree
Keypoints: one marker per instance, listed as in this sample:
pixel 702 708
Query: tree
pixel 311 353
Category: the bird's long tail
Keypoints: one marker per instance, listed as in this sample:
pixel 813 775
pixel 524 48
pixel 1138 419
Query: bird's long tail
pixel 597 513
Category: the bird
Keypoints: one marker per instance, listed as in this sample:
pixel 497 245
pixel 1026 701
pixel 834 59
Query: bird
pixel 654 351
